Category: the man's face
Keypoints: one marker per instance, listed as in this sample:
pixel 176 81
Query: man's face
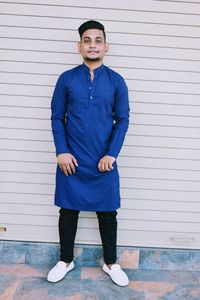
pixel 92 45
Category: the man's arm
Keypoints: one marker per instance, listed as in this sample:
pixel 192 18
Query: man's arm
pixel 121 118
pixel 58 109
pixel 66 160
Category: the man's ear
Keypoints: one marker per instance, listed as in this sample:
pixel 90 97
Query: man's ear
pixel 107 47
pixel 79 46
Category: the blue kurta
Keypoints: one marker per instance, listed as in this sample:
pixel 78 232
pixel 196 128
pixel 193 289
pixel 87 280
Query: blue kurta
pixel 89 120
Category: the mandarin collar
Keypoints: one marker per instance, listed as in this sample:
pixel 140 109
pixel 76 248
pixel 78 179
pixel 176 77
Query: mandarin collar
pixel 96 70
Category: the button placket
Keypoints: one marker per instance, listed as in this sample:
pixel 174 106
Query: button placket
pixel 90 90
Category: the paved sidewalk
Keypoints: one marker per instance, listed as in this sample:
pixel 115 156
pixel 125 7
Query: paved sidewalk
pixel 28 282
pixel 155 274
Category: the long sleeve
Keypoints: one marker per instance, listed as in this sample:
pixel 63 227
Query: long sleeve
pixel 121 118
pixel 58 110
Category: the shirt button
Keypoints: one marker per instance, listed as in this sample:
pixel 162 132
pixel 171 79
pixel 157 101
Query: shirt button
pixel 90 88
pixel 91 97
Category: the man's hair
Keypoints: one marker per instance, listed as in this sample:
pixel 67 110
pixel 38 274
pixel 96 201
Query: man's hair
pixel 91 24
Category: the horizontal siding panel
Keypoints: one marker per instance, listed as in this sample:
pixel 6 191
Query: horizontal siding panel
pixel 37 52
pixel 103 14
pixel 171 87
pixel 92 223
pixel 143 130
pixel 123 214
pixel 153 75
pixel 140 151
pixel 126 179
pixel 158 163
pixel 157 6
pixel 41 91
pixel 31 200
pixel 31 156
pixel 166 120
pixel 132 172
pixel 157 194
pixel 27 199
pixel 15 187
pixel 44 58
pixel 45 146
pixel 145 64
pixel 38 113
pixel 125 193
pixel 114 26
pixel 91 236
pixel 135 97
pixel 128 193
pixel 147 108
pixel 130 183
pixel 31 123
pixel 160 205
pixel 125 38
pixel 48 234
pixel 148 162
pixel 126 5
pixel 161 142
pixel 168 131
pixel 41 182
pixel 139 119
pixel 166 109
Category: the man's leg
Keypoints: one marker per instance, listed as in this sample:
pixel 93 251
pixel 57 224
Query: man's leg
pixel 108 231
pixel 68 222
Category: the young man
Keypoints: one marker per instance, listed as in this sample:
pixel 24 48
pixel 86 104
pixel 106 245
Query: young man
pixel 90 116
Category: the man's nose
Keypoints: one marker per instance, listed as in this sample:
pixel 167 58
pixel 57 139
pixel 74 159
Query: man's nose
pixel 92 44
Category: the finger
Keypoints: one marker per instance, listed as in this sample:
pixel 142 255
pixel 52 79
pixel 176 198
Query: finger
pixel 110 165
pixel 65 170
pixel 72 168
pixel 99 165
pixel 60 165
pixel 74 161
pixel 106 166
pixel 69 171
pixel 103 166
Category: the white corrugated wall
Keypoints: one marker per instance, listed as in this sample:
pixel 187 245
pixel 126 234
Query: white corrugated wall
pixel 155 46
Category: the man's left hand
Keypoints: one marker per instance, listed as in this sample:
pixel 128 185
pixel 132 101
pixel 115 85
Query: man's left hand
pixel 105 163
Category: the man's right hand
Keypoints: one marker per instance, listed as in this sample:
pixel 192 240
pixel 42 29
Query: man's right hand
pixel 67 163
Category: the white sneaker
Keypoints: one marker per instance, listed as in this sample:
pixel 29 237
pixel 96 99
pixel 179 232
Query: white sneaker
pixel 59 271
pixel 117 274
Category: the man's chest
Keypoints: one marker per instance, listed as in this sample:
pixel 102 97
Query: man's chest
pixel 83 91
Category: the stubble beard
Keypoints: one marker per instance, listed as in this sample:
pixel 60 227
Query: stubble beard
pixel 89 59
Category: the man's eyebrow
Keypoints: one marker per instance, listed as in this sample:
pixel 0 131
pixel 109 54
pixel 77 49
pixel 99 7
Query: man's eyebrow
pixel 88 37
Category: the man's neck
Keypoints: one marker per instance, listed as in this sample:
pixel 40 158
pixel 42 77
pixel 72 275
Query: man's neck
pixel 93 64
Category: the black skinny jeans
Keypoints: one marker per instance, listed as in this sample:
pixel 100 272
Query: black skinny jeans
pixel 68 222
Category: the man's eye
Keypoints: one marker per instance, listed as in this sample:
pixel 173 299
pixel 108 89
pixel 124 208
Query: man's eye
pixel 86 41
pixel 99 41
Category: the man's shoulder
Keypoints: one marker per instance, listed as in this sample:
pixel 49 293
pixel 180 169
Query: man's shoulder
pixel 69 72
pixel 114 74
